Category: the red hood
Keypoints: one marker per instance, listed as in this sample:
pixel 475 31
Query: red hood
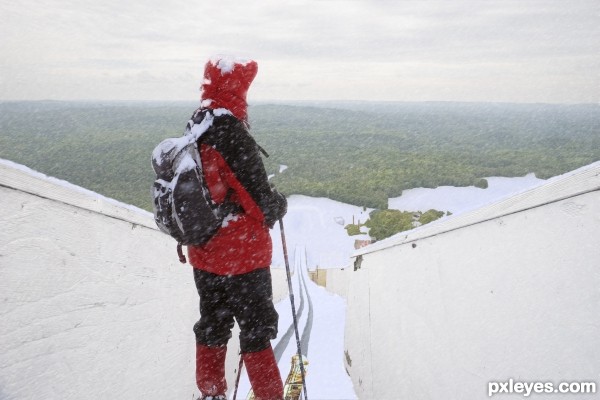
pixel 226 83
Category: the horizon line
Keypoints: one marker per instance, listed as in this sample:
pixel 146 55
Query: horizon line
pixel 289 101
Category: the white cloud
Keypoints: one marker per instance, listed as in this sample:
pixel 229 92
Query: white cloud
pixel 528 50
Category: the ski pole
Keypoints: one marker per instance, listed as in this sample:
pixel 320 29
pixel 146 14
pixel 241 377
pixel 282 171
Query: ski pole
pixel 291 290
pixel 237 379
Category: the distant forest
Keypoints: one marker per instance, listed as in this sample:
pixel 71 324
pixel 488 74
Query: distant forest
pixel 357 153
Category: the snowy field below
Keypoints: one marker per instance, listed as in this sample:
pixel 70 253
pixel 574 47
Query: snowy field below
pixel 317 224
pixel 462 199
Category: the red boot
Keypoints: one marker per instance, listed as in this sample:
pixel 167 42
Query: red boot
pixel 264 375
pixel 210 370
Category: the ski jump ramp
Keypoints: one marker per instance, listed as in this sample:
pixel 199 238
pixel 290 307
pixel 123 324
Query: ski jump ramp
pixel 94 303
pixel 509 291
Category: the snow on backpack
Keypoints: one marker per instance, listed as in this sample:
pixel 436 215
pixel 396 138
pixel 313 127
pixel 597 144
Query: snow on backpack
pixel 183 207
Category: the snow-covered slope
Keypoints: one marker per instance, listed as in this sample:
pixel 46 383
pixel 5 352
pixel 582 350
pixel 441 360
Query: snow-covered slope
pixel 317 224
pixel 462 199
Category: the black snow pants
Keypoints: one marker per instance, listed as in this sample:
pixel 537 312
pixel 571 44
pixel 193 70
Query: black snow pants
pixel 247 297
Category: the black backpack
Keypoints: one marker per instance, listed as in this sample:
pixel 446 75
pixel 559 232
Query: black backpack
pixel 183 207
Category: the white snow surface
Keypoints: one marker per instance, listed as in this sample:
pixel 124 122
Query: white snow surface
pixel 317 224
pixel 313 224
pixel 198 129
pixel 462 199
pixel 171 147
pixel 71 186
pixel 326 376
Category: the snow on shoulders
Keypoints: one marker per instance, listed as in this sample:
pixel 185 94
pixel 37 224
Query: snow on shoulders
pixel 197 130
pixel 218 112
pixel 169 148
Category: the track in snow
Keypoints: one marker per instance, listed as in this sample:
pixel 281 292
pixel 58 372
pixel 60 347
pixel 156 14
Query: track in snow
pixel 321 330
pixel 283 343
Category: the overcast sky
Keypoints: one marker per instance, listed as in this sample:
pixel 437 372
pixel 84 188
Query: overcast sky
pixel 404 50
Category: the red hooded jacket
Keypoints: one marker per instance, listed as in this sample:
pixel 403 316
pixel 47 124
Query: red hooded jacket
pixel 234 171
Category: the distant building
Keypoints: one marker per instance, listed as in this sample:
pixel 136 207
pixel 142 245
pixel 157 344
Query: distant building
pixel 358 243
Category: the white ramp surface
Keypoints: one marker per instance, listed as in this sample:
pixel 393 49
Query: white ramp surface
pixel 508 291
pixel 93 302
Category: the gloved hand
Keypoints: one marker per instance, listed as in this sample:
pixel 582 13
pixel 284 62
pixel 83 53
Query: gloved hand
pixel 277 210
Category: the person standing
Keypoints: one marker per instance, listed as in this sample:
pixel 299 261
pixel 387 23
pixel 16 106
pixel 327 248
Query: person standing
pixel 232 271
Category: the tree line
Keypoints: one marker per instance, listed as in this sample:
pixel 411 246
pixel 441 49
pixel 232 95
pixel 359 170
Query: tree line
pixel 360 155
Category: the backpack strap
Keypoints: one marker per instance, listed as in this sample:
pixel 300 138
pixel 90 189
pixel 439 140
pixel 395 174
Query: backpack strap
pixel 182 258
